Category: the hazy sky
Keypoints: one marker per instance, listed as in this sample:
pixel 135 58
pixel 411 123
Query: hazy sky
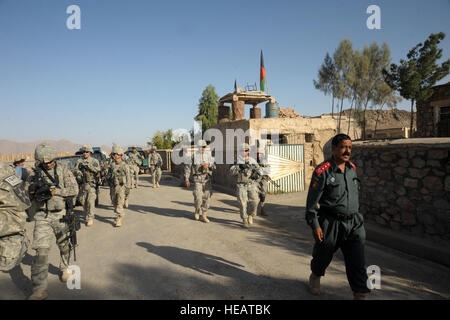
pixel 137 66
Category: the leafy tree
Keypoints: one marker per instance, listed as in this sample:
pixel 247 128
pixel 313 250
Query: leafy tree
pixel 327 79
pixel 208 108
pixel 385 97
pixel 414 78
pixel 356 76
pixel 369 76
pixel 345 73
pixel 163 140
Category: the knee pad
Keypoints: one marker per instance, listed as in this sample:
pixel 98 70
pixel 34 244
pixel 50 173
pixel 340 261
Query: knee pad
pixel 42 251
pixel 41 256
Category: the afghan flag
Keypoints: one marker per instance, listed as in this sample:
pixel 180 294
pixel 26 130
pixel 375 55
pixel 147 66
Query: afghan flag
pixel 262 75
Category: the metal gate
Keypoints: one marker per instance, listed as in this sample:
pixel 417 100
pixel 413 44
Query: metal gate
pixel 287 169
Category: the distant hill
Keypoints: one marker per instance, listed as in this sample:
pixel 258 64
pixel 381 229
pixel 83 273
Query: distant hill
pixel 387 119
pixel 12 147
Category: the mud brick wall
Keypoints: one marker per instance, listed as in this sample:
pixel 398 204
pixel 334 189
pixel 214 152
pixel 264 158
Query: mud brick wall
pixel 406 187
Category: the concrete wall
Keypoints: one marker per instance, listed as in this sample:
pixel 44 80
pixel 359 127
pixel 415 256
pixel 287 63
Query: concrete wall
pixel 405 185
pixel 398 133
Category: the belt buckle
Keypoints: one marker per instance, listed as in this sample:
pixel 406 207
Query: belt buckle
pixel 347 217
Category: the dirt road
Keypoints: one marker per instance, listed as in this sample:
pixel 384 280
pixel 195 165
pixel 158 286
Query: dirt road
pixel 161 252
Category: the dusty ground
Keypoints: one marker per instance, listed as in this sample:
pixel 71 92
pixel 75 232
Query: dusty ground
pixel 160 252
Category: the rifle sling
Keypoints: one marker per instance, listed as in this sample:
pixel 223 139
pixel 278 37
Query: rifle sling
pixel 55 180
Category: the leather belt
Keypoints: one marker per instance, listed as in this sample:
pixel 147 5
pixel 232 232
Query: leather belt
pixel 52 211
pixel 337 216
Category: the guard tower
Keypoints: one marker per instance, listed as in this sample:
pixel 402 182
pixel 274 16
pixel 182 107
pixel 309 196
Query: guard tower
pixel 239 98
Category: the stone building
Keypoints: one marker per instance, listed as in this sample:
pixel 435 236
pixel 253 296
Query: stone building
pixel 433 116
pixel 307 137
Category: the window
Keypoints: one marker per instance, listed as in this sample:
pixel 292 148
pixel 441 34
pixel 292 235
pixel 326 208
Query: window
pixel 445 113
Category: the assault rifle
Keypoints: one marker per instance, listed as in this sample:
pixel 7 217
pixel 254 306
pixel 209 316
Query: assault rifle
pixel 73 223
pixel 271 180
pixel 41 190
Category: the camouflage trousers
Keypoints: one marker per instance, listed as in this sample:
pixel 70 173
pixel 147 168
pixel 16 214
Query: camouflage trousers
pixel 156 174
pixel 47 226
pixel 263 185
pixel 247 194
pixel 202 195
pixel 119 194
pixel 134 176
pixel 87 199
pixel 12 250
pixel 111 194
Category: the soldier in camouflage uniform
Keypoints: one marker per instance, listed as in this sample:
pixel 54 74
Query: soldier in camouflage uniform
pixel 262 183
pixel 247 172
pixel 155 164
pixel 135 160
pixel 108 164
pixel 105 171
pixel 13 203
pixel 186 159
pixel 201 169
pixel 49 185
pixel 131 168
pixel 120 178
pixel 88 171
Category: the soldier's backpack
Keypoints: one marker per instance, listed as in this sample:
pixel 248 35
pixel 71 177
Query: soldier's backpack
pixel 13 203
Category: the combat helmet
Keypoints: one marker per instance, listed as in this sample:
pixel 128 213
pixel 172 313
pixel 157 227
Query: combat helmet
pixel 88 148
pixel 5 170
pixel 45 153
pixel 202 144
pixel 245 146
pixel 117 149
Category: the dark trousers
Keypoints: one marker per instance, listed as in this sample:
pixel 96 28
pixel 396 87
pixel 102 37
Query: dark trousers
pixel 349 236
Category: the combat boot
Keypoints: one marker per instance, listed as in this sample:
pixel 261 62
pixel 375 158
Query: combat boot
pixel 38 295
pixel 250 219
pixel 262 213
pixel 314 284
pixel 196 215
pixel 204 218
pixel 359 296
pixel 64 276
pixel 245 225
pixel 90 222
pixel 118 222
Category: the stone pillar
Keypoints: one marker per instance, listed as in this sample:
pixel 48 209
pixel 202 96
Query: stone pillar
pixel 255 112
pixel 238 110
pixel 224 114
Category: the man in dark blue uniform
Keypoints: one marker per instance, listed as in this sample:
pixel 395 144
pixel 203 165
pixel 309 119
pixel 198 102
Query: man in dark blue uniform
pixel 337 223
